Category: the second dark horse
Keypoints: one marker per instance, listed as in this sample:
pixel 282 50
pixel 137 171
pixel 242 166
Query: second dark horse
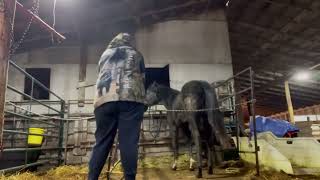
pixel 201 127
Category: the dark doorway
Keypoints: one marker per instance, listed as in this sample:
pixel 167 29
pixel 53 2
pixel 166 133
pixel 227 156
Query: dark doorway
pixel 42 75
pixel 159 75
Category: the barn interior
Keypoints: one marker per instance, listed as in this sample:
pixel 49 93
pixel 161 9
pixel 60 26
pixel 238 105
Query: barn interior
pixel 261 58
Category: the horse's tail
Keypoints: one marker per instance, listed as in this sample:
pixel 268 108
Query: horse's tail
pixel 215 116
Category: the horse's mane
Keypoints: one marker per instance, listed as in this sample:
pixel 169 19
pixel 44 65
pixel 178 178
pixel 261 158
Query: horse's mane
pixel 166 89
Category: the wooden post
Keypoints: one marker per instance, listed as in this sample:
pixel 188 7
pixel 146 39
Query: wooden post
pixel 4 58
pixel 81 19
pixel 289 102
pixel 82 72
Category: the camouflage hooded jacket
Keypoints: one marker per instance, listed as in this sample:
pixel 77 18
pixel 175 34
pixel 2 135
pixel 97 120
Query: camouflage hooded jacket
pixel 121 73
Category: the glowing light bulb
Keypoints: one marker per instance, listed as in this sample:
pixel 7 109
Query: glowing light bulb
pixel 302 76
pixel 227 4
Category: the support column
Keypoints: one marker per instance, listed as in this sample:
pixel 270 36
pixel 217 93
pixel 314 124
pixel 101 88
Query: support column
pixel 4 57
pixel 289 102
pixel 81 19
pixel 82 72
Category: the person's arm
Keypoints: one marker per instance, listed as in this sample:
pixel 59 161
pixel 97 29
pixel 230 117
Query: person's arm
pixel 143 70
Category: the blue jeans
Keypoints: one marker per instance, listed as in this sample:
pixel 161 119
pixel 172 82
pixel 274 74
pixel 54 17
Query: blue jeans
pixel 125 117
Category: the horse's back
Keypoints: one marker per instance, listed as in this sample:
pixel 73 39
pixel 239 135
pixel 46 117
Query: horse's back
pixel 193 87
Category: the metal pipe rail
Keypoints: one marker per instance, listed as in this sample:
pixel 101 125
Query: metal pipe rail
pixel 234 94
pixel 34 79
pixel 30 118
pixel 43 101
pixel 30 97
pixel 33 114
pixel 234 76
pixel 26 133
pixel 28 149
pixel 21 118
pixel 2 171
pixel 251 101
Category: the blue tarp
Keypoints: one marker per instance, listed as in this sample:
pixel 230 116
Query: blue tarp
pixel 277 126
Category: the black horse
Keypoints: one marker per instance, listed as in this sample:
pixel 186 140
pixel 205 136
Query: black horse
pixel 159 94
pixel 201 127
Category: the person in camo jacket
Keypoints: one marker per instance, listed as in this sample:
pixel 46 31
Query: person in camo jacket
pixel 119 105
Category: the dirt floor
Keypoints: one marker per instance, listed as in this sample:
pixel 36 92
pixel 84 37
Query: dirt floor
pixel 219 174
pixel 168 174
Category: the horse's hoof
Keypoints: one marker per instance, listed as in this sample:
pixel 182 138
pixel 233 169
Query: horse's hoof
pixel 210 170
pixel 192 164
pixel 199 175
pixel 174 167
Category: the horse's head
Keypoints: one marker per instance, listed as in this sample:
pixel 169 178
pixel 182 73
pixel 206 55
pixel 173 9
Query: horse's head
pixel 152 95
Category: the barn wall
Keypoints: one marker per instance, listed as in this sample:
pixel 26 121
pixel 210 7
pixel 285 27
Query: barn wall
pixel 182 73
pixel 196 49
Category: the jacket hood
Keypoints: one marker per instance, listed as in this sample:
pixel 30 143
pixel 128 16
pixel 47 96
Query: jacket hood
pixel 122 39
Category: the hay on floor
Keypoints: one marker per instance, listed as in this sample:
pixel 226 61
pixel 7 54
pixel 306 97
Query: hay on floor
pixel 80 172
pixel 59 173
pixel 161 162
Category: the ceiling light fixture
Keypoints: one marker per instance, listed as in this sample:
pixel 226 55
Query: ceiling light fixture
pixel 227 3
pixel 302 76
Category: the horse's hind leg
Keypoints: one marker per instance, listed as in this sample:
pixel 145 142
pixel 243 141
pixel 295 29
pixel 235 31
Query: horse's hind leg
pixel 197 141
pixel 211 156
pixel 191 160
pixel 188 134
pixel 175 134
pixel 218 154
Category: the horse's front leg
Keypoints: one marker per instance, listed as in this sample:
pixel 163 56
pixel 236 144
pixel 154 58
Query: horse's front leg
pixel 197 141
pixel 175 144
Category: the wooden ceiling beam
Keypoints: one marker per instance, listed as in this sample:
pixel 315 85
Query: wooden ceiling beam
pixel 294 91
pixel 276 37
pixel 278 80
pixel 279 53
pixel 256 39
pixel 295 95
pixel 283 48
pixel 274 97
pixel 154 12
pixel 297 100
pixel 269 30
pixel 268 100
pixel 239 58
pixel 292 5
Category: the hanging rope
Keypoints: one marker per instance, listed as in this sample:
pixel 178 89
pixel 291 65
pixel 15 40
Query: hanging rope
pixel 35 9
pixel 54 18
